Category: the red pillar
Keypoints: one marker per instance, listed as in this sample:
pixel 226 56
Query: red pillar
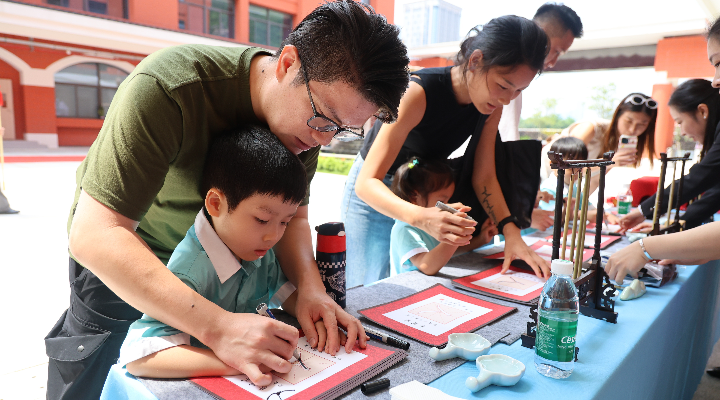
pixel 665 126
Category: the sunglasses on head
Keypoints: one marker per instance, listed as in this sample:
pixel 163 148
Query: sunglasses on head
pixel 639 100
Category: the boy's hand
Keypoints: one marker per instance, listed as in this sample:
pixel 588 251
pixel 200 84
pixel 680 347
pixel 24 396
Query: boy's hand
pixel 248 342
pixel 612 219
pixel 543 196
pixel 541 219
pixel 322 336
pixel 487 231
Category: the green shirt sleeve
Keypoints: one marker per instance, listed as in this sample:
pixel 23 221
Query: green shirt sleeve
pixel 310 159
pixel 139 139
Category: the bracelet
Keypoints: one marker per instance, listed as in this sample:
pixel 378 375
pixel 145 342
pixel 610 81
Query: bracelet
pixel 645 253
pixel 506 221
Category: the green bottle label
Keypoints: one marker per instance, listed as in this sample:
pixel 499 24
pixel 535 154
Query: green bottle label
pixel 555 340
pixel 624 207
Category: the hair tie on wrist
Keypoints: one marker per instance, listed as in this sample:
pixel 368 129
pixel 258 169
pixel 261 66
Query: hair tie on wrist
pixel 412 164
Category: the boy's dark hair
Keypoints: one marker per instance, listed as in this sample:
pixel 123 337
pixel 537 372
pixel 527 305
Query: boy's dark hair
pixel 646 140
pixel 687 97
pixel 251 160
pixel 506 41
pixel 418 177
pixel 347 41
pixel 562 15
pixel 571 148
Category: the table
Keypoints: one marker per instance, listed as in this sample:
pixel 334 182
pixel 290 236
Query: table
pixel 657 350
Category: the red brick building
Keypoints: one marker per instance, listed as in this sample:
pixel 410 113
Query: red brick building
pixel 62 60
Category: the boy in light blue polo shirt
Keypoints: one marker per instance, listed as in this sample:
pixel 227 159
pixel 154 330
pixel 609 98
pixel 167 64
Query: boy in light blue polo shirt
pixel 253 186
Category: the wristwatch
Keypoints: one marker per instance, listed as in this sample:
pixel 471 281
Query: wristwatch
pixel 506 221
pixel 645 253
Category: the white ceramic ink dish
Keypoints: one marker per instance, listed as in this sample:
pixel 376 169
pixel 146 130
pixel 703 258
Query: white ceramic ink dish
pixel 633 290
pixel 495 369
pixel 469 346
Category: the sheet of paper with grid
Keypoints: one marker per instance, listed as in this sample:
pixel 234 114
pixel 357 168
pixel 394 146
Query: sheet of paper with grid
pixel 437 314
pixel 513 282
pixel 313 367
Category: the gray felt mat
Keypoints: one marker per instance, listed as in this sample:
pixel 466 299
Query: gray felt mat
pixel 174 389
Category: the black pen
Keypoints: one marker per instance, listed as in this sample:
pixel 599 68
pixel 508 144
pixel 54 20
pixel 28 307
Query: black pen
pixel 451 210
pixel 387 339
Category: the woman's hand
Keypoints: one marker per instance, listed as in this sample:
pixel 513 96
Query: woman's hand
pixel 625 157
pixel 644 227
pixel 630 220
pixel 629 260
pixel 448 228
pixel 515 248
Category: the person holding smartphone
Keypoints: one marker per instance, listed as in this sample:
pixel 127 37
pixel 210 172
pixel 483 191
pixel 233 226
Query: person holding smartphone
pixel 629 133
pixel 695 107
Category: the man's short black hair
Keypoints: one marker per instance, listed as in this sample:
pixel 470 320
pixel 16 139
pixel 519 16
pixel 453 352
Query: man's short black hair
pixel 347 41
pixel 251 160
pixel 562 14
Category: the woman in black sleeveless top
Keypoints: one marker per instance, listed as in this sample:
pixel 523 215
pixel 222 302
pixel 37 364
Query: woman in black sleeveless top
pixel 440 110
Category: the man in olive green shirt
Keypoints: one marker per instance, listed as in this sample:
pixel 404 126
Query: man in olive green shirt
pixel 138 189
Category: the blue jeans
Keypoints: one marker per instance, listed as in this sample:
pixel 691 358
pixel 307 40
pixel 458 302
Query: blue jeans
pixel 368 235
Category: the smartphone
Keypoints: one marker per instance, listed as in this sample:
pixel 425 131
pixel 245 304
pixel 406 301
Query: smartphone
pixel 627 141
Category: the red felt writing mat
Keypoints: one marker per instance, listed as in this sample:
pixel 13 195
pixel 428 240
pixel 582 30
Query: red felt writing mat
pixel 468 282
pixel 605 240
pixel 225 389
pixel 587 253
pixel 377 315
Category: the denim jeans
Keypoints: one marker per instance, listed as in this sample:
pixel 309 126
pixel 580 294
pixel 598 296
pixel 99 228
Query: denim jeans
pixel 368 235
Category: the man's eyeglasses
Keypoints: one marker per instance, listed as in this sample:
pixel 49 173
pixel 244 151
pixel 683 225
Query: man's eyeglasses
pixel 322 123
pixel 639 100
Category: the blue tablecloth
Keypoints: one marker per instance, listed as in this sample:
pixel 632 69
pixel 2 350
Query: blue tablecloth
pixel 657 350
pixel 121 385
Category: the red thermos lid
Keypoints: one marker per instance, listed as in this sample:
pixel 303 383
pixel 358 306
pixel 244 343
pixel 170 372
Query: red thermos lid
pixel 331 237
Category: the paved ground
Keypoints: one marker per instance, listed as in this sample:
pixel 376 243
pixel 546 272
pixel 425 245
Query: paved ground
pixel 33 251
pixel 34 245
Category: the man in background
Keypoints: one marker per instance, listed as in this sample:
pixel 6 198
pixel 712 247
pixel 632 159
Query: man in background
pixel 562 26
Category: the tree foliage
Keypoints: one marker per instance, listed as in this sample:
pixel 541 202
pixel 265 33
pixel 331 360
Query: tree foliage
pixel 603 100
pixel 546 117
pixel 334 165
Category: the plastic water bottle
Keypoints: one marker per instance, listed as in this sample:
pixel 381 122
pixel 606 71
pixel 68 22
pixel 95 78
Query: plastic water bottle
pixel 625 200
pixel 558 310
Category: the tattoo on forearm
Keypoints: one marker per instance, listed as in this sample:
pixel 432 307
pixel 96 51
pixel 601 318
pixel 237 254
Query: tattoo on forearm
pixel 488 208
